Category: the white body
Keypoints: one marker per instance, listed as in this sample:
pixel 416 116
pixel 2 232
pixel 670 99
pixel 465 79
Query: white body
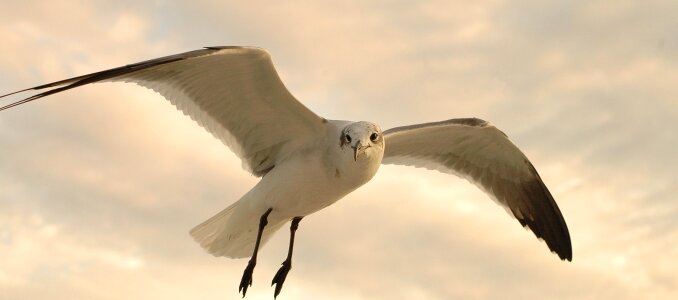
pixel 303 183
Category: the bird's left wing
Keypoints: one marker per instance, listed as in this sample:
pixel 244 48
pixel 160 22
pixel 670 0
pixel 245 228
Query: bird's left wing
pixel 475 150
pixel 233 92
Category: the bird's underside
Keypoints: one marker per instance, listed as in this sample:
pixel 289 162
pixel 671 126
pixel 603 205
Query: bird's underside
pixel 236 94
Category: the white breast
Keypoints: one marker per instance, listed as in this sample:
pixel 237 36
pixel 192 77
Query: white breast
pixel 310 181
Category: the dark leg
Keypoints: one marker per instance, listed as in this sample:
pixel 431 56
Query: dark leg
pixel 247 275
pixel 280 276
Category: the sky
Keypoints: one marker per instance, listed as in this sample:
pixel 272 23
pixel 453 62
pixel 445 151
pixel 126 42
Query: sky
pixel 100 185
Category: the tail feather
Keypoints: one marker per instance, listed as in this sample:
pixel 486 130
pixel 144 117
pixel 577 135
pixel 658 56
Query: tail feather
pixel 220 237
pixel 206 232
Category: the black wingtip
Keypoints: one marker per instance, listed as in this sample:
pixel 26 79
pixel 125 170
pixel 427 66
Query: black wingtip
pixel 67 84
pixel 567 255
pixel 38 96
pixel 10 94
pixel 16 103
pixel 223 47
pixel 562 248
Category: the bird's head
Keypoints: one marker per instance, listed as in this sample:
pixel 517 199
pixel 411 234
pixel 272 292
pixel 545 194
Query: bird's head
pixel 365 139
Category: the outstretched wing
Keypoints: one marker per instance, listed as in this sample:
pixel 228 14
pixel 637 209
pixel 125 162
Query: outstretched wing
pixel 474 149
pixel 233 92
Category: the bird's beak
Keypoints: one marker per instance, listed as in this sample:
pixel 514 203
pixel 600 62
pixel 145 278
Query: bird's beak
pixel 358 149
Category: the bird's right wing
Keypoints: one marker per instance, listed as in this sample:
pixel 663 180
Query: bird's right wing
pixel 476 150
pixel 233 92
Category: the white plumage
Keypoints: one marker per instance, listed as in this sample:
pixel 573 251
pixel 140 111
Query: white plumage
pixel 307 162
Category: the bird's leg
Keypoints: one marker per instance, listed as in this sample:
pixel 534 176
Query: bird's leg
pixel 280 276
pixel 247 275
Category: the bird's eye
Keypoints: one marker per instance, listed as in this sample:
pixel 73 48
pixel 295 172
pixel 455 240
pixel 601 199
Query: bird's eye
pixel 348 138
pixel 373 137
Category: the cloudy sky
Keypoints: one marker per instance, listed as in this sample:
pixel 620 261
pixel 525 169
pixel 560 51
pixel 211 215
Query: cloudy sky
pixel 100 185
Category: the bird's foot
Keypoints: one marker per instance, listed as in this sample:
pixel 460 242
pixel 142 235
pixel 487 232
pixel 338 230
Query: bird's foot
pixel 246 280
pixel 280 276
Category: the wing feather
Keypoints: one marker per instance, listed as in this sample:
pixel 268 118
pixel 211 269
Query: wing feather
pixel 233 92
pixel 473 149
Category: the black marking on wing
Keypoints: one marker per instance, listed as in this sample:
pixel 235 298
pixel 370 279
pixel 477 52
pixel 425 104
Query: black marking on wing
pixel 538 211
pixel 528 199
pixel 474 122
pixel 67 84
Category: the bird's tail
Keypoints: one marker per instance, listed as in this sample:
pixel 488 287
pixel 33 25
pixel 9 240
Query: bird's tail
pixel 224 235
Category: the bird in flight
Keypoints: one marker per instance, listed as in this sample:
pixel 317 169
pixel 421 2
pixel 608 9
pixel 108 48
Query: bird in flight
pixel 307 162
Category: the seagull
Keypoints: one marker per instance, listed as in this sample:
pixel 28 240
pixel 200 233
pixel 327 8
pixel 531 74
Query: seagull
pixel 307 162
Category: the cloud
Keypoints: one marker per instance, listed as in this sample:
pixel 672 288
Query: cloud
pixel 101 184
